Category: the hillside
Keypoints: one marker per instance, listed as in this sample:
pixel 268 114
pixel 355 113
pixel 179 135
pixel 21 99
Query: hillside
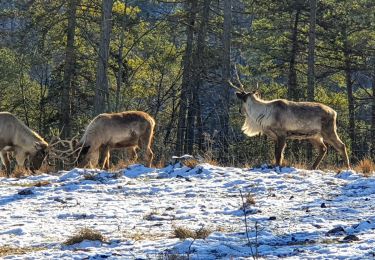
pixel 299 213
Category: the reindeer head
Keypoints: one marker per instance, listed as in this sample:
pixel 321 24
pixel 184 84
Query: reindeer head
pixel 241 93
pixel 40 155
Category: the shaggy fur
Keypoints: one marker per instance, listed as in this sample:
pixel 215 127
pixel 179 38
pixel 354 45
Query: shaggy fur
pixel 281 119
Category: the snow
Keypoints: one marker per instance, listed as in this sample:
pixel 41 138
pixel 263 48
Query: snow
pixel 297 213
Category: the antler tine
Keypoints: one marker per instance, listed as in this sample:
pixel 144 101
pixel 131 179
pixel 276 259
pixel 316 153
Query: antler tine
pixel 233 86
pixel 238 78
pixel 257 86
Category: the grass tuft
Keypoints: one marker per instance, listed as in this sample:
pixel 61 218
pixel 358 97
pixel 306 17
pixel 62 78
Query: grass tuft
pixel 191 163
pixel 41 183
pixel 366 166
pixel 183 233
pixel 85 234
pixel 8 250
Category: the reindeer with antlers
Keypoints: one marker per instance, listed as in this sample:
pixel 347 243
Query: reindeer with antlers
pixel 282 119
pixel 131 130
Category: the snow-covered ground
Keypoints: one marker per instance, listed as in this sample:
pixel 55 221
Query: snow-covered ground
pixel 299 213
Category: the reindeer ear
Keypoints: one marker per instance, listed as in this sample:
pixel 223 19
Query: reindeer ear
pixel 242 95
pixel 257 93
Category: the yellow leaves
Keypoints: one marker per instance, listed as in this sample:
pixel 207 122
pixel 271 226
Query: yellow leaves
pixel 120 8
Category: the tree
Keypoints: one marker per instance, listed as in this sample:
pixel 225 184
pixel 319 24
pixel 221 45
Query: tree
pixel 101 99
pixel 65 106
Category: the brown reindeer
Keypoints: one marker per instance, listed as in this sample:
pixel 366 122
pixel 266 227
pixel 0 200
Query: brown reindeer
pixel 24 143
pixel 131 129
pixel 281 119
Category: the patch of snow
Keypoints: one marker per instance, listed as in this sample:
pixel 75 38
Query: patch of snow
pixel 297 213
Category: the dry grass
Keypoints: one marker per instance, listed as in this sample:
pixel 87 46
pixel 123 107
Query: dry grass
pixel 85 234
pixel 366 166
pixel 249 199
pixel 19 172
pixel 211 161
pixel 41 183
pixel 191 163
pixel 3 173
pixel 183 233
pixel 121 164
pixel 45 168
pixel 8 250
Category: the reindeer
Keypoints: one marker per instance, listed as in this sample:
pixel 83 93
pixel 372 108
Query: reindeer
pixel 24 143
pixel 282 119
pixel 131 130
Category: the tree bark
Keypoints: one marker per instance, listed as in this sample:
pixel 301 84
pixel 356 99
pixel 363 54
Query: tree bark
pixel 373 113
pixel 349 89
pixel 224 118
pixel 102 90
pixel 311 53
pixel 66 103
pixel 193 123
pixel 292 77
pixel 186 77
pixel 311 63
pixel 119 60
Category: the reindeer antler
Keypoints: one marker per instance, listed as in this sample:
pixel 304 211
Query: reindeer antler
pixel 241 89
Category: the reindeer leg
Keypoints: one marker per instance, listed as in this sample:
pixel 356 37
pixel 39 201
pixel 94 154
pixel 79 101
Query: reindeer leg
pixel 322 148
pixel 279 150
pixel 104 157
pixel 6 162
pixel 132 153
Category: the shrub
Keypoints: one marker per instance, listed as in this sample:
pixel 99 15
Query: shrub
pixel 85 234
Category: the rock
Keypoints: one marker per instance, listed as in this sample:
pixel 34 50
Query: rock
pixel 350 238
pixel 27 191
pixel 60 200
pixel 336 231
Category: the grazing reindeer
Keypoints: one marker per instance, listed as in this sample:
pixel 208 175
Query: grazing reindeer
pixel 131 129
pixel 23 142
pixel 281 119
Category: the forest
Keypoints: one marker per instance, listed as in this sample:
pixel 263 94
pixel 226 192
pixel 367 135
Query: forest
pixel 63 62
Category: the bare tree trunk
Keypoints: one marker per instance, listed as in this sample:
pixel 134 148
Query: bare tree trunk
pixel 224 118
pixel 197 73
pixel 65 107
pixel 311 54
pixel 349 89
pixel 119 60
pixel 292 77
pixel 102 89
pixel 373 113
pixel 186 77
pixel 311 63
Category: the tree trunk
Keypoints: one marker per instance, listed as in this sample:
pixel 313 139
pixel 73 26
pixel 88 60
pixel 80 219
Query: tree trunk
pixel 311 54
pixel 65 108
pixel 311 63
pixel 292 77
pixel 186 77
pixel 349 89
pixel 197 73
pixel 102 90
pixel 373 114
pixel 119 60
pixel 224 117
